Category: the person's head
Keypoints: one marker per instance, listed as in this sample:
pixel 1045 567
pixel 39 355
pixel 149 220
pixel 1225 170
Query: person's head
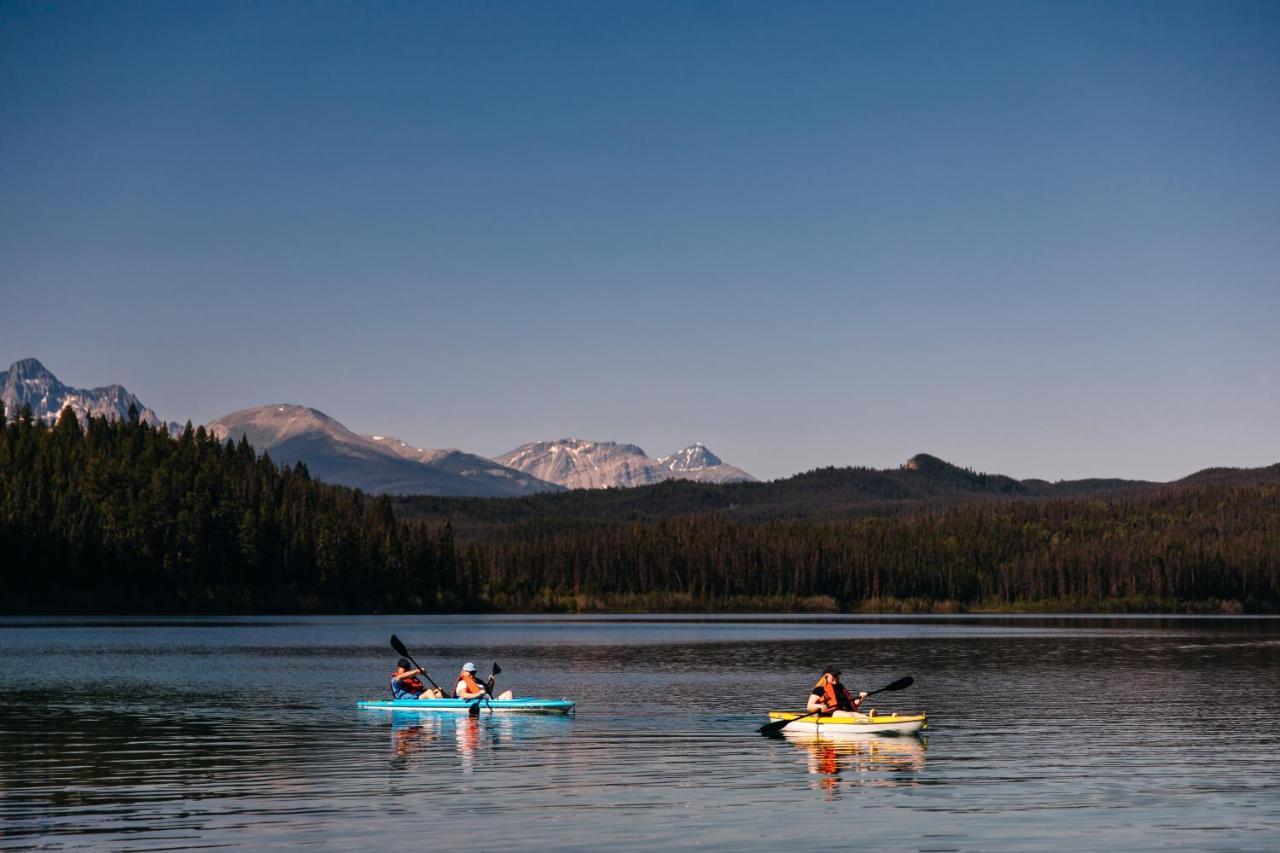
pixel 832 674
pixel 403 665
pixel 469 667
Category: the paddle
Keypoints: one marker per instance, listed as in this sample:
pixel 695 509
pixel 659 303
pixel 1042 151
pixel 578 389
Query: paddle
pixel 497 670
pixel 474 709
pixel 404 653
pixel 778 725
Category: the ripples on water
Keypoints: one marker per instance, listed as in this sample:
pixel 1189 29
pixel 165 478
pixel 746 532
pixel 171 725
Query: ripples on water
pixel 1045 734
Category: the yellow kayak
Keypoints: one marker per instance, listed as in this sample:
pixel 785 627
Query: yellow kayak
pixel 842 723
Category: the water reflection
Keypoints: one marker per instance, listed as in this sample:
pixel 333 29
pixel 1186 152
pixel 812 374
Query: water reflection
pixel 859 759
pixel 416 732
pixel 1110 736
pixel 410 734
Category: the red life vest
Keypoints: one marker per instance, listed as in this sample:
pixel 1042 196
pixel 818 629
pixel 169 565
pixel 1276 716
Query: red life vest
pixel 410 683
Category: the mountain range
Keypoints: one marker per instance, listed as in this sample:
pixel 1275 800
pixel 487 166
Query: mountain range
pixel 374 463
pixel 579 464
pixel 923 483
pixel 381 464
pixel 28 382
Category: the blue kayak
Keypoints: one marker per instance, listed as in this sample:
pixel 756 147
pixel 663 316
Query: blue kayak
pixel 526 706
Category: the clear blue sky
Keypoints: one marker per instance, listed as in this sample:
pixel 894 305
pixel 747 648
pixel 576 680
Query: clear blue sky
pixel 1035 238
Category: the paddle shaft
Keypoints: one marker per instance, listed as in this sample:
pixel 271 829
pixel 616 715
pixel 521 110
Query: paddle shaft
pixel 403 652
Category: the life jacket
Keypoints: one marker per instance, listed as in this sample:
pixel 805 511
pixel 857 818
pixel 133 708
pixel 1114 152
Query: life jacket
pixel 473 686
pixel 835 696
pixel 409 684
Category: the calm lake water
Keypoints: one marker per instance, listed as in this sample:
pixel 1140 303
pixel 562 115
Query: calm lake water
pixel 1045 734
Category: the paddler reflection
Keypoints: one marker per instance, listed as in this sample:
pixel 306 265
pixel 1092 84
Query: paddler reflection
pixel 410 733
pixel 875 758
pixel 473 734
pixel 413 732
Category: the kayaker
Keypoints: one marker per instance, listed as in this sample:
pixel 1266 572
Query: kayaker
pixel 829 696
pixel 405 683
pixel 468 688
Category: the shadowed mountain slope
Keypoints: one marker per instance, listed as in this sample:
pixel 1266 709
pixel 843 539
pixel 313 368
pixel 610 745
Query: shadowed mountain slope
pixel 826 494
pixel 375 464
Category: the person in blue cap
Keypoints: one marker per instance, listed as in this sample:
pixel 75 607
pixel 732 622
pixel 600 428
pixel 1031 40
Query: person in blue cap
pixel 469 688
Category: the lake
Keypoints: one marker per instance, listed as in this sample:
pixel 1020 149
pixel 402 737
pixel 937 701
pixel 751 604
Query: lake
pixel 1046 733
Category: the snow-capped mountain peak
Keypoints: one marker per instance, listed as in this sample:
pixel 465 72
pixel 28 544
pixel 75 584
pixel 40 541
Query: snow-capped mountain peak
pixel 579 464
pixel 695 457
pixel 29 382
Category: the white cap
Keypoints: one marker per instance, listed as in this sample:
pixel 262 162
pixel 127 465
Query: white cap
pixel 468 667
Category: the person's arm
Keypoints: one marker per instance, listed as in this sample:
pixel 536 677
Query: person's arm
pixel 404 675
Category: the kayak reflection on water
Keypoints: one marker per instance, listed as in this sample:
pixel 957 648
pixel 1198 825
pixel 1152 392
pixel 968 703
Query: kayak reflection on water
pixel 414 732
pixel 870 756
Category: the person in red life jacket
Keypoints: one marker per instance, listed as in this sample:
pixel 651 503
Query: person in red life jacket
pixel 468 688
pixel 829 696
pixel 405 683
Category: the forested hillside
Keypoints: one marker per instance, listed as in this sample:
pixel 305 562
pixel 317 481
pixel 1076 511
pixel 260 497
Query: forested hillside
pixel 120 517
pixel 825 494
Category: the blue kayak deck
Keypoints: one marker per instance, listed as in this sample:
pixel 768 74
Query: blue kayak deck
pixel 527 706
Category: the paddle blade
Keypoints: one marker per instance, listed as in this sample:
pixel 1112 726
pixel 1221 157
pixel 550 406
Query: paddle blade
pixel 497 670
pixel 901 684
pixel 774 727
pixel 399 646
pixel 778 725
pixel 474 709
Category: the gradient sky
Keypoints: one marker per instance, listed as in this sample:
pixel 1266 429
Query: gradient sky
pixel 1041 239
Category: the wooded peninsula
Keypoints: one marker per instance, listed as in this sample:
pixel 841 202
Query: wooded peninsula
pixel 115 516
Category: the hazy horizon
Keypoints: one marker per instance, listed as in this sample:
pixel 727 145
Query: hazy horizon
pixel 1035 240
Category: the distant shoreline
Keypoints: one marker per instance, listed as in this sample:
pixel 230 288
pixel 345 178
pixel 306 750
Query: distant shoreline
pixel 766 607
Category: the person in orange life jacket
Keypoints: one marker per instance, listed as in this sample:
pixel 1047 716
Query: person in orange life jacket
pixel 468 688
pixel 829 696
pixel 405 683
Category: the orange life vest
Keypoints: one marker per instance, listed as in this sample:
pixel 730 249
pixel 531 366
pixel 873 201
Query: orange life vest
pixel 473 686
pixel 835 697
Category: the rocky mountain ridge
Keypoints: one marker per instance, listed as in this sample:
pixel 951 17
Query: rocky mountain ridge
pixel 375 464
pixel 28 382
pixel 579 464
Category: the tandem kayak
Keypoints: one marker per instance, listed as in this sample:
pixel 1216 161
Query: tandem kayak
pixel 880 724
pixel 525 706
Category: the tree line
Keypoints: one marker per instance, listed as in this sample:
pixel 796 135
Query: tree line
pixel 119 516
pixel 116 516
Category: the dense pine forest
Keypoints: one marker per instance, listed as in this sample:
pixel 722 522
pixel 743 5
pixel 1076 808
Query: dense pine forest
pixel 117 516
